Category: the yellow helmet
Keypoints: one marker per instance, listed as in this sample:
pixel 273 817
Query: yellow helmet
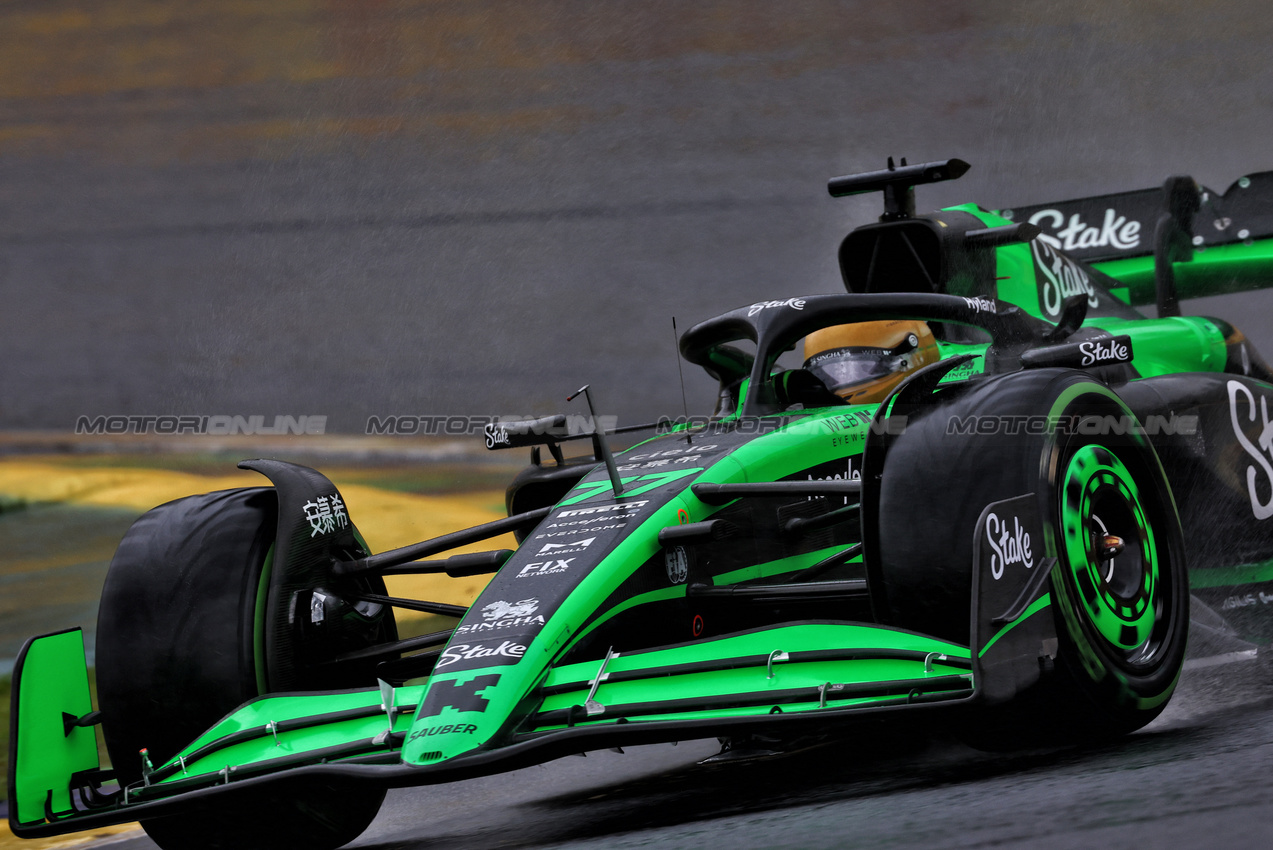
pixel 862 362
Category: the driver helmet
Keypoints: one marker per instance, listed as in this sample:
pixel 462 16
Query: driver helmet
pixel 864 361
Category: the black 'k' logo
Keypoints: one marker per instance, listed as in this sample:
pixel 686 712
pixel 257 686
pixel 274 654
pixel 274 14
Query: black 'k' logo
pixel 461 697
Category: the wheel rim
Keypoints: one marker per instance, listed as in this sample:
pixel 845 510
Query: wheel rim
pixel 1125 598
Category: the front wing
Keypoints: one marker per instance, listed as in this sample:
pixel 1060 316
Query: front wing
pixel 791 678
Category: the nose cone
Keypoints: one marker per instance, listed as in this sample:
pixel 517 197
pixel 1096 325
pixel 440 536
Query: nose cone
pixel 453 718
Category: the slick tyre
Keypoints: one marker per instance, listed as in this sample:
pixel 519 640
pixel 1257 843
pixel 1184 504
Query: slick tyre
pixel 1121 624
pixel 179 646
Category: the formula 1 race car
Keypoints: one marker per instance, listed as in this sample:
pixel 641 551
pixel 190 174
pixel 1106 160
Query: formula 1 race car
pixel 983 497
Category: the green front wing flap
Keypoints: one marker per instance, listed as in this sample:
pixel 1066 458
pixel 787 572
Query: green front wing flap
pixel 273 733
pixel 50 692
pixel 795 668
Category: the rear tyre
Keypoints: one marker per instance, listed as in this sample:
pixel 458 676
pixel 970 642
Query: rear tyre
pixel 1121 624
pixel 180 645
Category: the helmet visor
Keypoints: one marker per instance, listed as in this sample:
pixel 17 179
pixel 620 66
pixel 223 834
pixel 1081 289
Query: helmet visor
pixel 849 368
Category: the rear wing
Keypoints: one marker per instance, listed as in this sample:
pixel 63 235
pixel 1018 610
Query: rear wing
pixel 1179 241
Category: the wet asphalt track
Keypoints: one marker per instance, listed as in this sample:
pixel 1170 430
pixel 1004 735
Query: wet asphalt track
pixel 1198 777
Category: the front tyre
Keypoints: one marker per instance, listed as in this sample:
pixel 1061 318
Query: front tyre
pixel 1121 623
pixel 180 644
pixel 304 815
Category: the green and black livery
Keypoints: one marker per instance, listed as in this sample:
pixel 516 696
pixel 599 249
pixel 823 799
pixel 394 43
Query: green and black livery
pixel 1006 544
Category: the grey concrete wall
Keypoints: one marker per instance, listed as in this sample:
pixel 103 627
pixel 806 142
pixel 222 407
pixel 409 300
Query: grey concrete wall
pixel 374 208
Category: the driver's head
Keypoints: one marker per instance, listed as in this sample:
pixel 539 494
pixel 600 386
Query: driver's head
pixel 862 362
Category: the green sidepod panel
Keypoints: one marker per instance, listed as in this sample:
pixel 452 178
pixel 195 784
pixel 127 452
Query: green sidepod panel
pixel 1171 345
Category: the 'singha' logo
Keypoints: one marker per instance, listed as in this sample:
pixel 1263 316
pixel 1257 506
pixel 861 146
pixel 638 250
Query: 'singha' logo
pixel 501 615
pixel 502 610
